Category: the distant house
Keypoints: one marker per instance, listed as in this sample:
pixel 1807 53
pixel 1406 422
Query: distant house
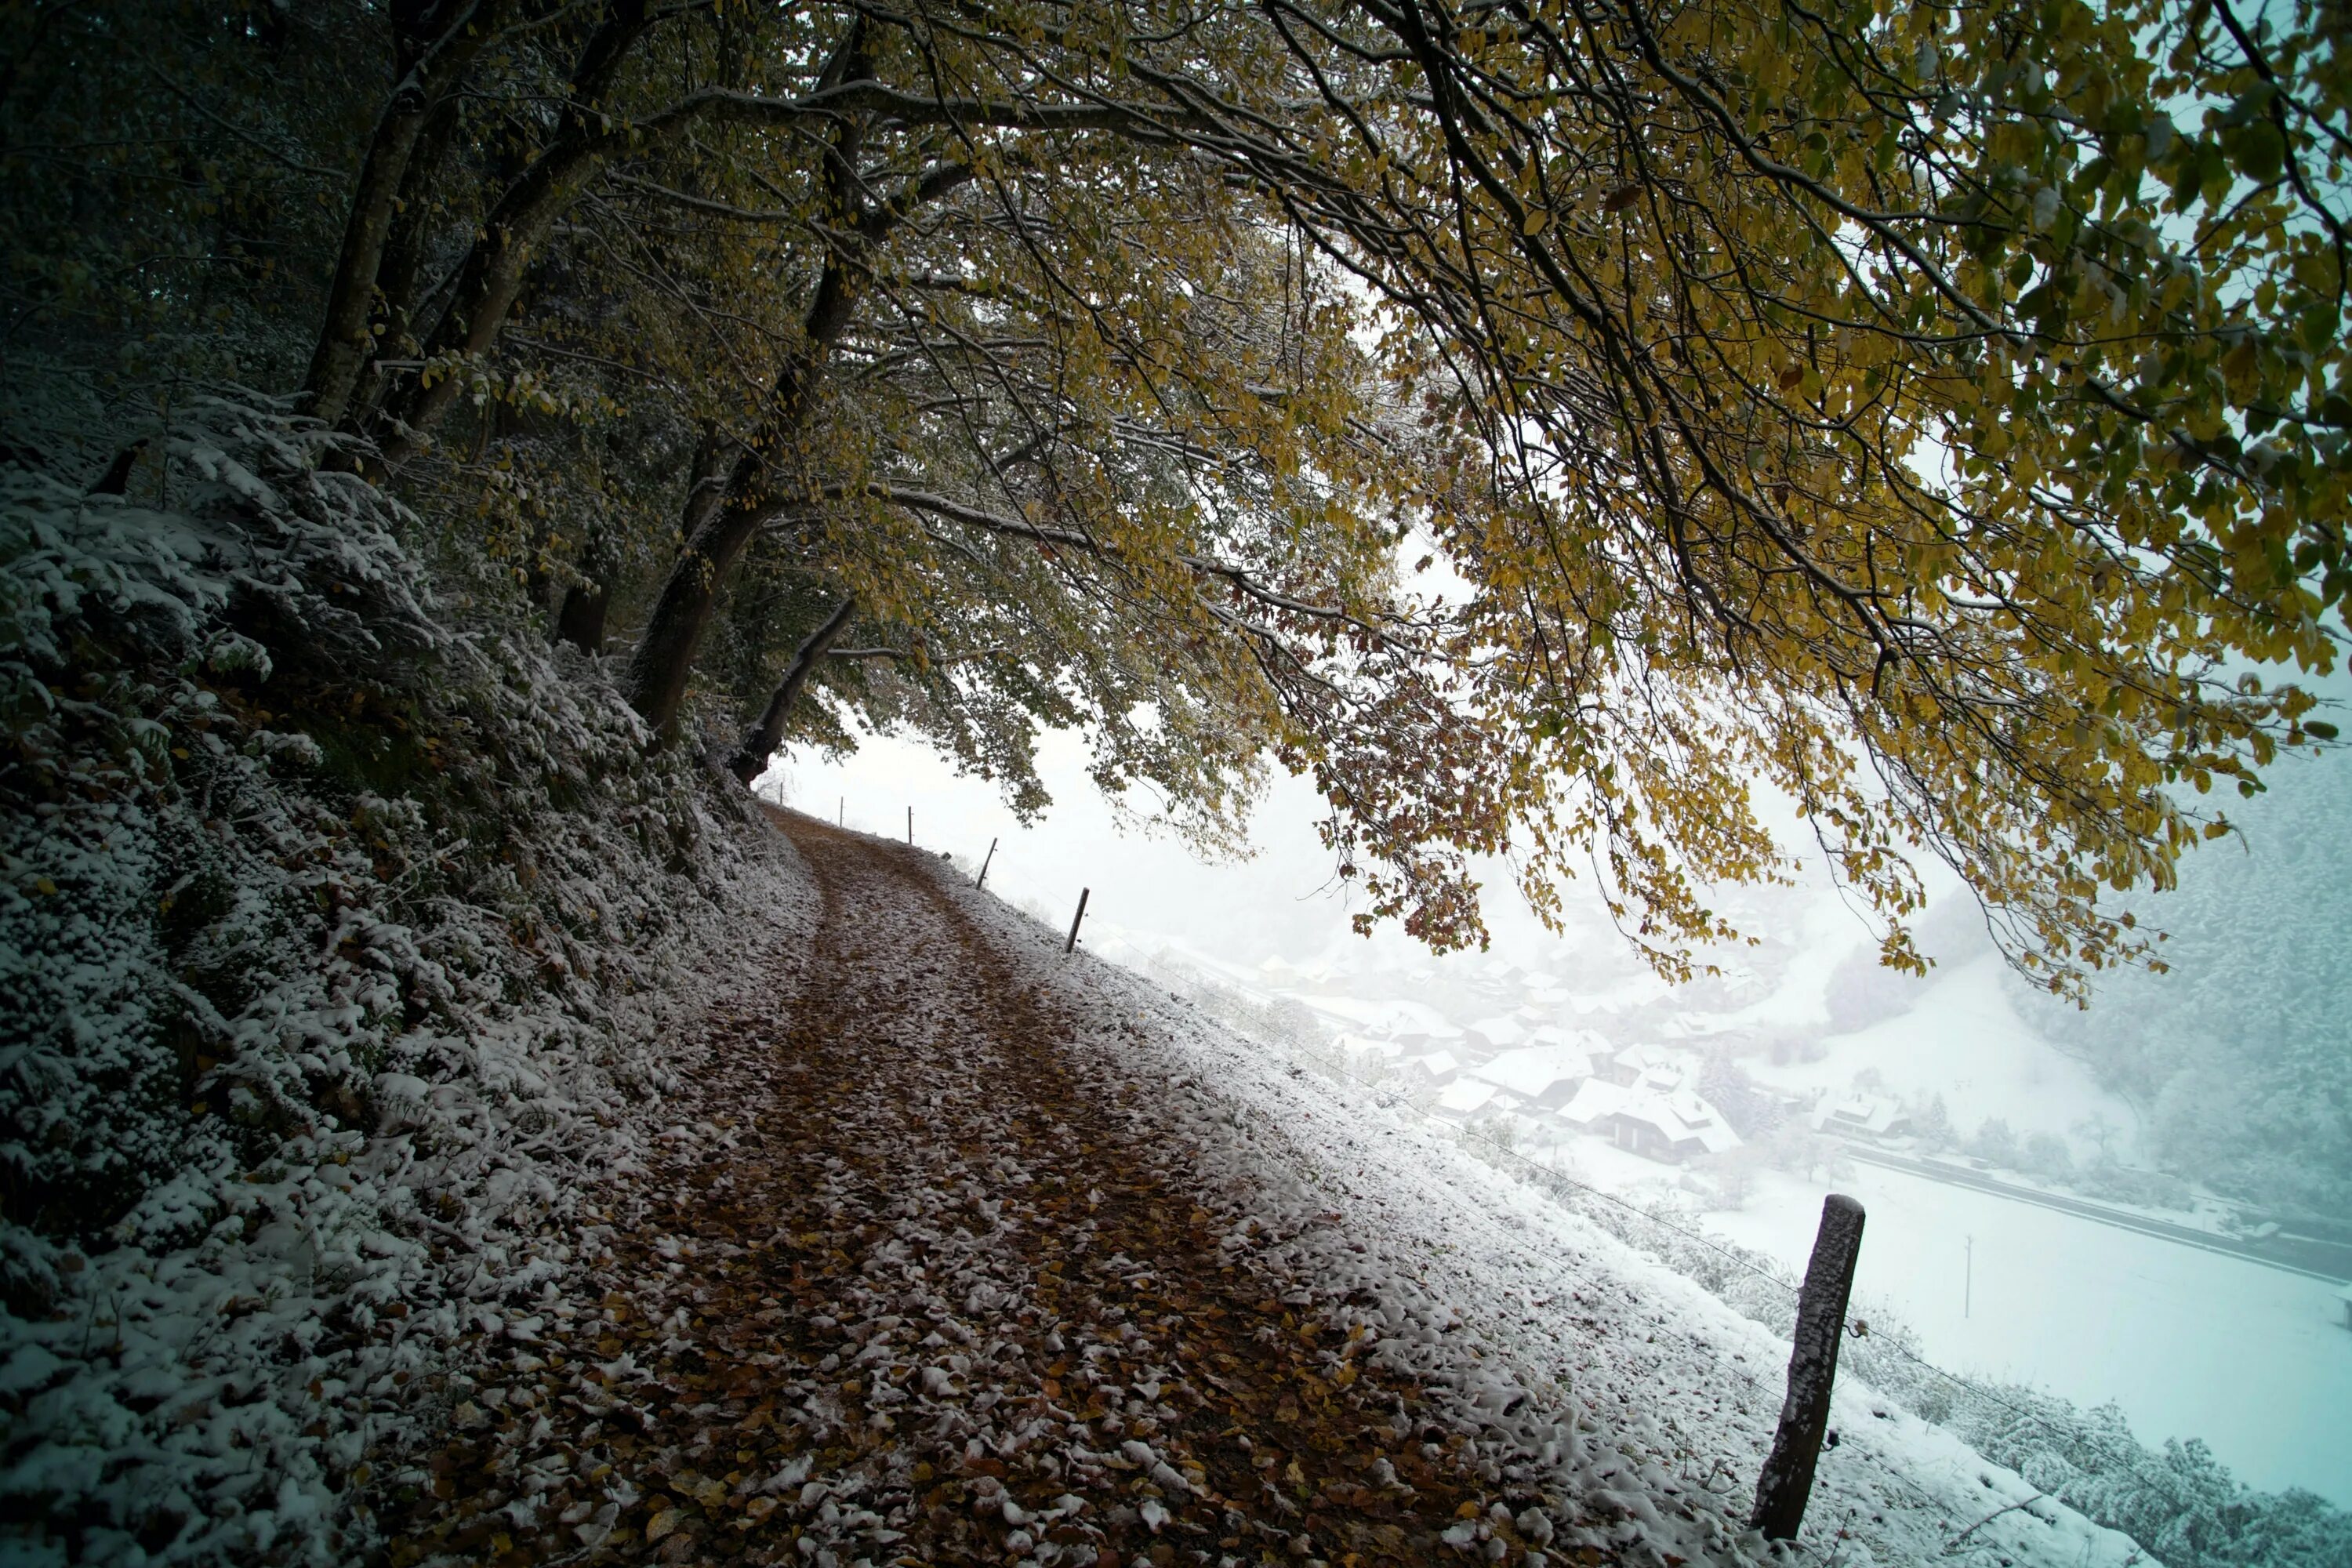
pixel 1868 1115
pixel 1634 1063
pixel 1594 1106
pixel 1416 1027
pixel 1467 1096
pixel 1671 1125
pixel 1498 1033
pixel 1437 1068
pixel 1585 1040
pixel 1545 1076
pixel 1443 1040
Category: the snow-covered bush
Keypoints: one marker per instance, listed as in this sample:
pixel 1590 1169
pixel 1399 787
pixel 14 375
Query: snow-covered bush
pixel 335 937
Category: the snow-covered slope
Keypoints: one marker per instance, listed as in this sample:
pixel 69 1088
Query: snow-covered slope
pixel 1558 1345
pixel 338 947
pixel 1963 1039
pixel 335 945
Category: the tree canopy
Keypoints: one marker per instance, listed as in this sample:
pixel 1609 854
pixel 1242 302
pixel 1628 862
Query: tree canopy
pixel 1930 414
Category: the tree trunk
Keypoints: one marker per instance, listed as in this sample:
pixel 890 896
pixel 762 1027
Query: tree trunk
pixel 489 284
pixel 490 278
pixel 760 741
pixel 664 659
pixel 580 621
pixel 673 634
pixel 393 328
pixel 665 653
pixel 434 44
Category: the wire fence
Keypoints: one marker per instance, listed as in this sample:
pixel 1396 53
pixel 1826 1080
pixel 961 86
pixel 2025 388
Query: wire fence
pixel 1881 1342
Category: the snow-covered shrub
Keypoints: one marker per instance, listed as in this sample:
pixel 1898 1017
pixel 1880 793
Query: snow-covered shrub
pixel 334 941
pixel 2179 1501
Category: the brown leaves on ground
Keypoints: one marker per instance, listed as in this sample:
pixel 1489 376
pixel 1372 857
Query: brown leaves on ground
pixel 942 1298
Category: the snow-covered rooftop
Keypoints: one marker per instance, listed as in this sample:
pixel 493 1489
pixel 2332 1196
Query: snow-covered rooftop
pixel 1500 1030
pixel 1464 1097
pixel 1531 1070
pixel 1595 1098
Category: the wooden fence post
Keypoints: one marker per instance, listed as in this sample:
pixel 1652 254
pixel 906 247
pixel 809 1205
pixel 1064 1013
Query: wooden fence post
pixel 1787 1481
pixel 984 865
pixel 1071 946
pixel 910 824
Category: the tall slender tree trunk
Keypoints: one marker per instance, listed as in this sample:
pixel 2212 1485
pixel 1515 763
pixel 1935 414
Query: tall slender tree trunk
pixel 760 741
pixel 488 286
pixel 664 659
pixel 435 45
pixel 400 272
pixel 491 278
pixel 673 634
pixel 665 653
pixel 580 621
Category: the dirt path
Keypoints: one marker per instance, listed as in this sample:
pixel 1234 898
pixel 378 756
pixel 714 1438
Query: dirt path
pixel 940 1297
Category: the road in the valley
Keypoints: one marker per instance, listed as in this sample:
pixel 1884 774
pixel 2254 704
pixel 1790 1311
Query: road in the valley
pixel 2320 1258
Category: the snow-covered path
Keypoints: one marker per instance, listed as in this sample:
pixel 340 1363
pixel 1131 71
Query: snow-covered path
pixel 966 1252
pixel 943 1295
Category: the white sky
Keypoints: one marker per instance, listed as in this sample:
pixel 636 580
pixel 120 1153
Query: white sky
pixel 1283 902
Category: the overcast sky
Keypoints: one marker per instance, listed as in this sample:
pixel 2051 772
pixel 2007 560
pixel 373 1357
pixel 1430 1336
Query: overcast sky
pixel 1285 900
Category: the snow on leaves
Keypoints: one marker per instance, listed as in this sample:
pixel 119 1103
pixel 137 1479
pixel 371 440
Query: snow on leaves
pixel 313 996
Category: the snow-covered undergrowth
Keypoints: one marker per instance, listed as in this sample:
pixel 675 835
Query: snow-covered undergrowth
pixel 1634 1389
pixel 336 941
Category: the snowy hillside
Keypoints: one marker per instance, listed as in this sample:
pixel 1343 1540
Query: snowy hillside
pixel 313 1024
pixel 454 1206
pixel 942 1300
pixel 459 460
pixel 1665 1395
pixel 2242 1367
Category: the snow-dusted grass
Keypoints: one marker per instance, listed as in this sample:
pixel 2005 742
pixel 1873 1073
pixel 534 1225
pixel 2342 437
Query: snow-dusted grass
pixel 334 945
pixel 1544 1335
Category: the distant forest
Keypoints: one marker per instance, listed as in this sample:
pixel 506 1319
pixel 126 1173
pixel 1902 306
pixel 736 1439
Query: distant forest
pixel 2235 1058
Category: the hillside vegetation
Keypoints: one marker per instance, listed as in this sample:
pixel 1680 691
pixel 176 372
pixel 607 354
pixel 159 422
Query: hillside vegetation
pixel 337 937
pixel 2235 1055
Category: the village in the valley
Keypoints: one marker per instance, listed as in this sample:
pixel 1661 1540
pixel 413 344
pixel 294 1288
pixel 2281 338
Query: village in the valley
pixel 1502 1050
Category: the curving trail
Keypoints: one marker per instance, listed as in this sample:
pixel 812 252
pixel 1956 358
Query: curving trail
pixel 927 1288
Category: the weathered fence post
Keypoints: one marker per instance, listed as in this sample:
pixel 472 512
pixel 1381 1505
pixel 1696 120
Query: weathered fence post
pixel 910 824
pixel 1072 945
pixel 984 865
pixel 1787 1479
